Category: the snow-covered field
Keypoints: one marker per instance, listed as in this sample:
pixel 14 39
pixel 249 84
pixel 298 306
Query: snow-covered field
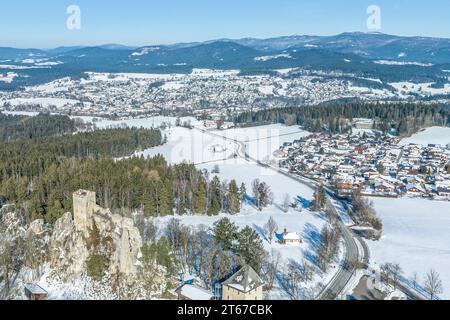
pixel 192 146
pixel 245 172
pixel 197 147
pixel 261 142
pixel 402 63
pixel 420 88
pixel 416 234
pixel 433 135
pixel 151 122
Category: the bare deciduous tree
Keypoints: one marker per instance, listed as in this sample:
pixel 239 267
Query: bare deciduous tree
pixel 286 203
pixel 11 262
pixel 396 274
pixel 329 214
pixel 391 273
pixel 329 247
pixel 270 269
pixel 270 227
pixel 433 284
pixel 293 282
pixel 262 194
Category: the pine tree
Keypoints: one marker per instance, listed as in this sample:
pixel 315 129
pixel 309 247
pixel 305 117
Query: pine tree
pixel 215 194
pixel 200 198
pixel 165 200
pixel 250 248
pixel 319 199
pixel 243 193
pixel 234 202
pixel 224 233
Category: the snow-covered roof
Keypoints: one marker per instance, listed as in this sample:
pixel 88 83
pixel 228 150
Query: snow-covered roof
pixel 410 186
pixel 245 280
pixel 291 236
pixel 34 288
pixel 194 292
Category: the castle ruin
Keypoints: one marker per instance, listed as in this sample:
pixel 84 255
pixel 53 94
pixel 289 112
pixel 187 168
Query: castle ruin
pixel 126 238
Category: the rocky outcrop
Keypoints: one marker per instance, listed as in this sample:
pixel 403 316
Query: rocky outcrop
pixel 125 239
pixel 60 253
pixel 68 250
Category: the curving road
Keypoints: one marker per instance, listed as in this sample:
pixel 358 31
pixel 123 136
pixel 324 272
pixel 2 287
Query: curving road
pixel 335 288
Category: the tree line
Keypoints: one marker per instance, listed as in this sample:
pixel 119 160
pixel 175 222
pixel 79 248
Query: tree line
pixel 15 127
pixel 405 119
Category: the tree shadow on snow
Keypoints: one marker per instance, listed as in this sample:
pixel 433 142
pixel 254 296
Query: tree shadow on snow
pixel 250 201
pixel 312 237
pixel 276 205
pixel 305 203
pixel 260 231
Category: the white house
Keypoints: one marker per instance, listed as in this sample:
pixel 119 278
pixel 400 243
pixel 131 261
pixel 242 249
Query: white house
pixel 290 238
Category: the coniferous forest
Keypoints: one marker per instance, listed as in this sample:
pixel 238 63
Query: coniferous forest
pixel 13 127
pixel 40 173
pixel 405 119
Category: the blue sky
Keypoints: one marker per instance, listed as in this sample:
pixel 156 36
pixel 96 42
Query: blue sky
pixel 42 24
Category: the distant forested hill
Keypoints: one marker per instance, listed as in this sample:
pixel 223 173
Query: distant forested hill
pixel 417 60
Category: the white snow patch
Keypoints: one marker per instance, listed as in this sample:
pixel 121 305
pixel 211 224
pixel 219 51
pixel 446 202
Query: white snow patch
pixel 286 71
pixel 273 57
pixel 8 77
pixel 416 234
pixel 145 51
pixel 433 135
pixel 403 63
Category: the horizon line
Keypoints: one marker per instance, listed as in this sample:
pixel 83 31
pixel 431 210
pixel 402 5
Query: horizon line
pixel 220 39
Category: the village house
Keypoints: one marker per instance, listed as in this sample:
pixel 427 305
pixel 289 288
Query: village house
pixel 290 238
pixel 363 124
pixel 245 284
pixel 443 188
pixel 415 190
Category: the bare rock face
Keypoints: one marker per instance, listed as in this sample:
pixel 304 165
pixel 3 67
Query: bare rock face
pixel 12 223
pixel 68 251
pixel 125 242
pixel 128 243
pixel 37 227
